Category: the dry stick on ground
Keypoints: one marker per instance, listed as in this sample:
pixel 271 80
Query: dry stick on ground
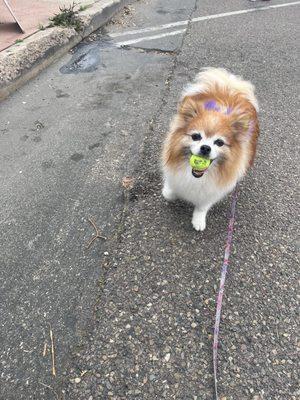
pixel 45 349
pixel 52 352
pixel 49 387
pixel 127 183
pixel 97 234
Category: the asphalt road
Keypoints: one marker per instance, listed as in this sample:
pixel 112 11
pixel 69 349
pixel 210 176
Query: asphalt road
pixel 132 316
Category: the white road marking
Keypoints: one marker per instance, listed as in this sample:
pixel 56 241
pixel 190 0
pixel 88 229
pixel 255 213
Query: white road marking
pixel 143 39
pixel 150 29
pixel 198 19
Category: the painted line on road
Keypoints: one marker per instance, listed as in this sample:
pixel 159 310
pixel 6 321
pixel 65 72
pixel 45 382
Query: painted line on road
pixel 142 39
pixel 185 23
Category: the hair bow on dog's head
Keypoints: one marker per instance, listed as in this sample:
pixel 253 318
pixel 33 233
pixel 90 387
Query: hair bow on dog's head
pixel 212 105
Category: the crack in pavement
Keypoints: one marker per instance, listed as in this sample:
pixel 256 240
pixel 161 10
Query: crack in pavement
pixel 173 68
pixel 156 50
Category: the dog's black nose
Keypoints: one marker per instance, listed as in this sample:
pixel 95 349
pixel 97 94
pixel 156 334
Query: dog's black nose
pixel 205 150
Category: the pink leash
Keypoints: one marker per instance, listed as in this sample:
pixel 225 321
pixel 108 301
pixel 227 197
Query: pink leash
pixel 221 288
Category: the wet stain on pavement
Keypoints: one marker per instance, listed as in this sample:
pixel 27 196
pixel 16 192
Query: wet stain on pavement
pixel 60 94
pixel 77 157
pixel 36 139
pixel 93 146
pixel 85 59
pixel 47 164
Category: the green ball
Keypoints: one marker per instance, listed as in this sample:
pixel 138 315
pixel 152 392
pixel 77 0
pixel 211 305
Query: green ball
pixel 199 163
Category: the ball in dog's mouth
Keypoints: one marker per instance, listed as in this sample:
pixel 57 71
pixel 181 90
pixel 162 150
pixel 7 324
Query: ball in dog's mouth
pixel 199 165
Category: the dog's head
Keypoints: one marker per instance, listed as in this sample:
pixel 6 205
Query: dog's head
pixel 207 128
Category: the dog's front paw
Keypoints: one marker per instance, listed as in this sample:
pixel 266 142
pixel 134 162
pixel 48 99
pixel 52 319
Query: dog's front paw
pixel 199 225
pixel 199 220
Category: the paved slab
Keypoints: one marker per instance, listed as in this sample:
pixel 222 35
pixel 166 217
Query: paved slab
pixel 64 151
pixel 132 318
pixel 31 14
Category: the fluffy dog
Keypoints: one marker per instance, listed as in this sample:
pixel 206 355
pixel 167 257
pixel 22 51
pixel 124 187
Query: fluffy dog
pixel 217 119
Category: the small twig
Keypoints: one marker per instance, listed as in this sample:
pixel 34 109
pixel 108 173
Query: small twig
pixel 97 234
pixel 49 387
pixel 52 352
pixel 277 332
pixel 45 349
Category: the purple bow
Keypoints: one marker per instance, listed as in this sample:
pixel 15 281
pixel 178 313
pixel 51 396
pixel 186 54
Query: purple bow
pixel 211 105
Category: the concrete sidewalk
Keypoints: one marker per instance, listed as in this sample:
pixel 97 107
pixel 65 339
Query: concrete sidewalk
pixel 37 48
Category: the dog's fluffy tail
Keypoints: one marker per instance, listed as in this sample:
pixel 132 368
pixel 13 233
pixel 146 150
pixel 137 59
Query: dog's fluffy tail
pixel 210 78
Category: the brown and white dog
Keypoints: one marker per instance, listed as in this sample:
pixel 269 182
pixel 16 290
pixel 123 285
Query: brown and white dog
pixel 217 119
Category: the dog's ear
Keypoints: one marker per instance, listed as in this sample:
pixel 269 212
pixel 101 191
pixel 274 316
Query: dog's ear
pixel 188 109
pixel 243 121
pixel 240 124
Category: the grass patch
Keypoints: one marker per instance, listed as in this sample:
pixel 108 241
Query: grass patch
pixel 84 7
pixel 67 18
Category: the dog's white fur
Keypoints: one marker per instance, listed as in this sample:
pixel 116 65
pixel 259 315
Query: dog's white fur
pixel 202 193
pixel 205 192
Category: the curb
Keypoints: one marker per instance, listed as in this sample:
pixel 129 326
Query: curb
pixel 24 61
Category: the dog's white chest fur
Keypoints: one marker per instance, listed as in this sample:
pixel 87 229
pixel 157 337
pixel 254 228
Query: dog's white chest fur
pixel 201 192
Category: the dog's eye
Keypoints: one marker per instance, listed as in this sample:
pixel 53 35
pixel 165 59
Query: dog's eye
pixel 196 136
pixel 219 142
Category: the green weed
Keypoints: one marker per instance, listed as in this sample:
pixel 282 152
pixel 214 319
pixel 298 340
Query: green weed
pixel 67 18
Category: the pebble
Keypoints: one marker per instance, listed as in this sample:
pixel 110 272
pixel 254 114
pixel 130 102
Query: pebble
pixel 77 380
pixel 177 376
pixel 108 385
pixel 167 357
